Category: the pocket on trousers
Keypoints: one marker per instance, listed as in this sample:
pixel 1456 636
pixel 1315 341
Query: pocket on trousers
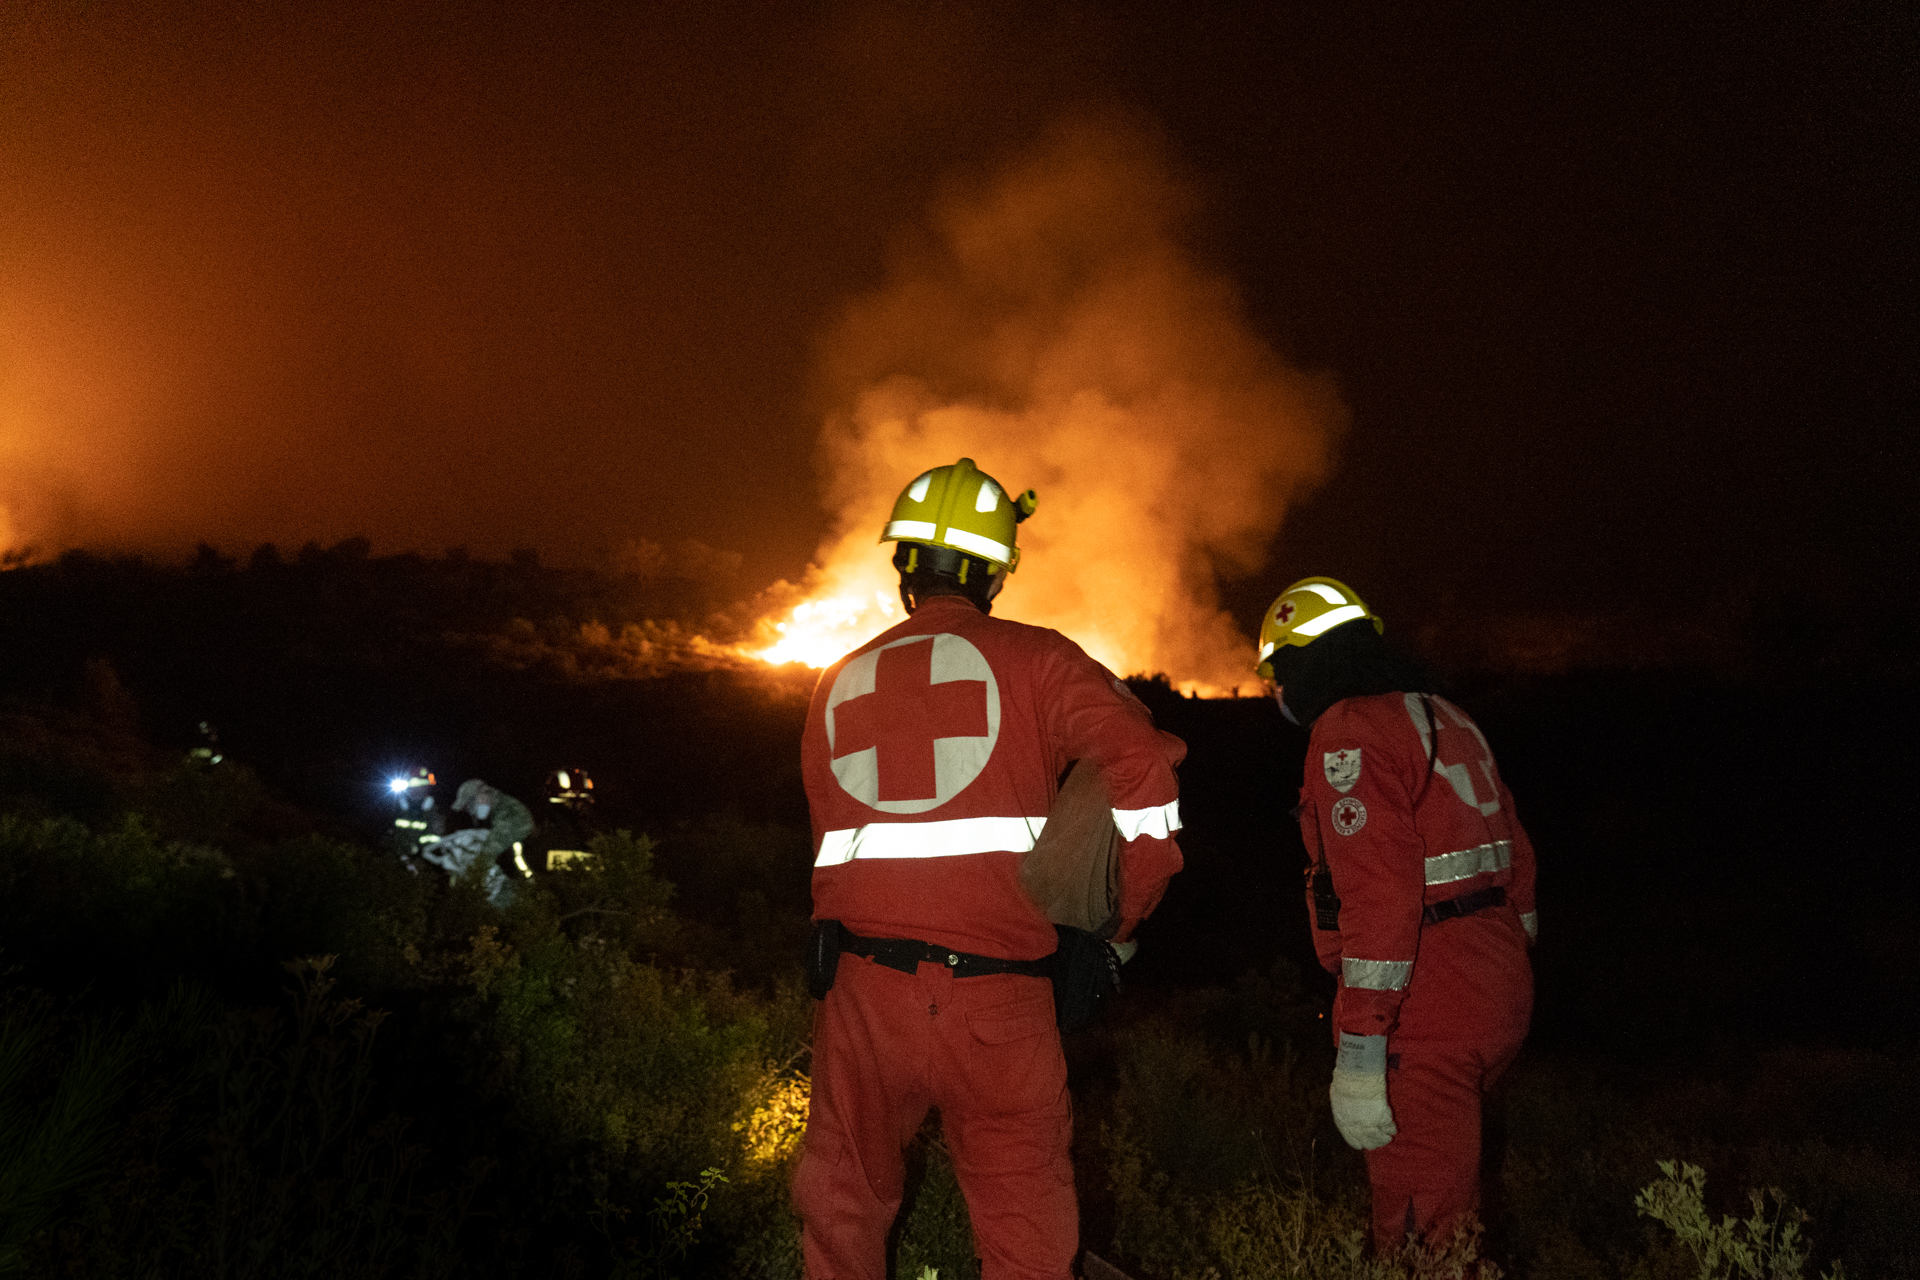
pixel 1016 1020
pixel 823 1145
pixel 816 1175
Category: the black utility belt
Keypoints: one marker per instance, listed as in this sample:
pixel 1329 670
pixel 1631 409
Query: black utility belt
pixel 1084 970
pixel 1464 905
pixel 905 954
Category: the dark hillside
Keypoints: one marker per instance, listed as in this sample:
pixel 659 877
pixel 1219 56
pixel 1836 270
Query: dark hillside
pixel 1719 857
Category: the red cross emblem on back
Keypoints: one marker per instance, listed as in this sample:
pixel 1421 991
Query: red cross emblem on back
pixel 1284 614
pixel 903 717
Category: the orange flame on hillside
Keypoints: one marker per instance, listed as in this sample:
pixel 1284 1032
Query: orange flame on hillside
pixel 1051 327
pixel 819 631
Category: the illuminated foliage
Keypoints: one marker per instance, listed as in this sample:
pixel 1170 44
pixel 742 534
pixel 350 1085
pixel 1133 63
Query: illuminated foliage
pixel 771 1132
pixel 1766 1245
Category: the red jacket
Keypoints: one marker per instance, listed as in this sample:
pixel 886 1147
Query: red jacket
pixel 931 756
pixel 1397 838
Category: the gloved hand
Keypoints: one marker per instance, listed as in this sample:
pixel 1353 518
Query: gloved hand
pixel 457 851
pixel 1359 1092
pixel 1123 951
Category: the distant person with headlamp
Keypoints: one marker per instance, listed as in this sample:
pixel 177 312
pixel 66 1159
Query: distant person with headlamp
pixel 1420 898
pixel 932 757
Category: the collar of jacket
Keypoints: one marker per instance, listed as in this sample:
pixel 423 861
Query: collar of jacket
pixel 941 602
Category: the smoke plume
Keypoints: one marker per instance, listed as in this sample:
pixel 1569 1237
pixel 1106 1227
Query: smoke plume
pixel 1048 324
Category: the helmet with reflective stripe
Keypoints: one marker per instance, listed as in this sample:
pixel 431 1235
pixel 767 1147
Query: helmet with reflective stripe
pixel 963 508
pixel 1305 611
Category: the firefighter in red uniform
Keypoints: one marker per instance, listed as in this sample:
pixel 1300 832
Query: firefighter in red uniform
pixel 1420 894
pixel 931 756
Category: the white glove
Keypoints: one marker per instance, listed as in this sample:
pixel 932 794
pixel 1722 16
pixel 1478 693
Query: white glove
pixel 1123 951
pixel 1359 1092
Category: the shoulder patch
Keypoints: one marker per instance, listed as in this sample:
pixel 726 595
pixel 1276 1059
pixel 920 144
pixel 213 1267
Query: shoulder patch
pixel 1342 768
pixel 1349 815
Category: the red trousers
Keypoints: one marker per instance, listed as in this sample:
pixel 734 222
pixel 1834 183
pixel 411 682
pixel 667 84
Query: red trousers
pixel 887 1046
pixel 1429 1175
pixel 1463 1021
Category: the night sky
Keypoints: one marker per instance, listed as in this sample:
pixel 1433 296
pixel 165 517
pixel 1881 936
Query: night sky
pixel 1619 307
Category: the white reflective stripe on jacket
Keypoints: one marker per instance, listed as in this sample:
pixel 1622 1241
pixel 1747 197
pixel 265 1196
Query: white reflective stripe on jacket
pixel 1160 820
pixel 1376 975
pixel 1464 864
pixel 952 838
pixel 959 836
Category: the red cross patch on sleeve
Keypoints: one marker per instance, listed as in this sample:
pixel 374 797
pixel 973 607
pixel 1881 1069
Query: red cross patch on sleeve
pixel 1342 768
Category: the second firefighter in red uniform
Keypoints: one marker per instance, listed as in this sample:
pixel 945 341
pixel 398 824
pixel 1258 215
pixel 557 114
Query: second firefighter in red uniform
pixel 1420 896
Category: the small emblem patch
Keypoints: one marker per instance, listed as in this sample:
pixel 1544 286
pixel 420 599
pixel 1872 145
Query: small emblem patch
pixel 1343 769
pixel 1349 815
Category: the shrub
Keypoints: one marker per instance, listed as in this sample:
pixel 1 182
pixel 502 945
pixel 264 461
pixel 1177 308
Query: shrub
pixel 614 895
pixel 672 1229
pixel 935 1232
pixel 770 1133
pixel 756 1215
pixel 52 1140
pixel 301 1184
pixel 83 905
pixel 620 1075
pixel 328 897
pixel 1191 1124
pixel 252 1151
pixel 1265 1232
pixel 197 801
pixel 1767 1245
pixel 609 1058
pixel 743 893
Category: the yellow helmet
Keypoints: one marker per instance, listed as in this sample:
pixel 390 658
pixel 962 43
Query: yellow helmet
pixel 964 508
pixel 1310 607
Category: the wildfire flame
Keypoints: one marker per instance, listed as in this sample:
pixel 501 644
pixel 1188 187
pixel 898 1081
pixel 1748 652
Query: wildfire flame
pixel 819 632
pixel 1052 328
pixel 836 620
